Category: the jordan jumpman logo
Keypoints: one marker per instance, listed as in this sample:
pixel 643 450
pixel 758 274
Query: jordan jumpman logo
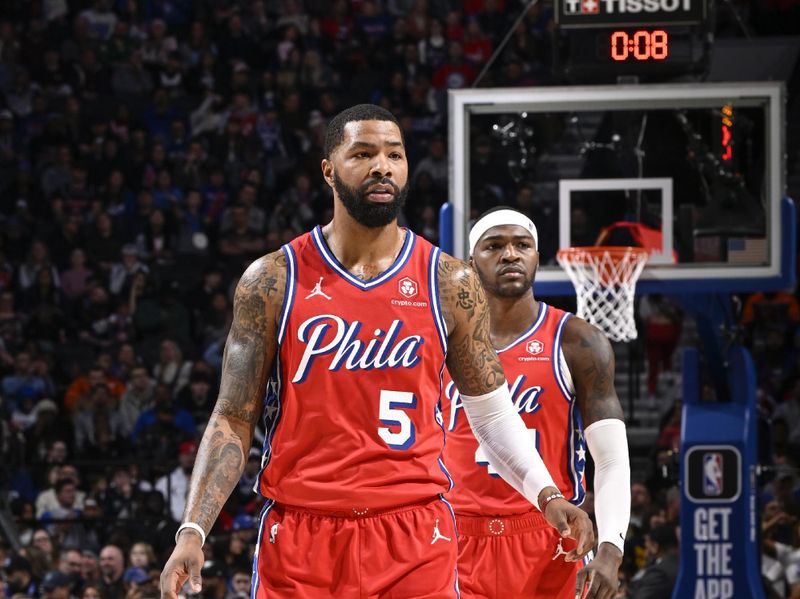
pixel 318 291
pixel 438 536
pixel 559 550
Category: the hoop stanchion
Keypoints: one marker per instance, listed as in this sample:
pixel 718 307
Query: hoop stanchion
pixel 605 284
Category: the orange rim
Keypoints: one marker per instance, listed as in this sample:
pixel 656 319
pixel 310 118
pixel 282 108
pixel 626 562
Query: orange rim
pixel 615 252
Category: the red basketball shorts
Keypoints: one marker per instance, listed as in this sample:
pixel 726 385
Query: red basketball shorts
pixel 403 553
pixel 517 556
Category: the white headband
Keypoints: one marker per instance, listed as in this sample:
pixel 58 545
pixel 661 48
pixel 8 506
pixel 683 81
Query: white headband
pixel 498 218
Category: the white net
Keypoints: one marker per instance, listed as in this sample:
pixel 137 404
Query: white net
pixel 605 284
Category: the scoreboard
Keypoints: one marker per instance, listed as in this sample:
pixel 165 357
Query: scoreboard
pixel 652 40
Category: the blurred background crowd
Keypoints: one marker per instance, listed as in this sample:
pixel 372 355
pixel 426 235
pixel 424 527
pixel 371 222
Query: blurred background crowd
pixel 149 149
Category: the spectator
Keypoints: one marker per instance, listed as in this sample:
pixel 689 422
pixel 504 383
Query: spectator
pixel 172 370
pixel 132 80
pixel 250 475
pixel 242 241
pixel 38 258
pixel 122 272
pixel 66 507
pixel 69 564
pixel 20 577
pixel 74 280
pixel 160 430
pixel 42 549
pixel 47 501
pixel 11 322
pixel 658 579
pixel 99 428
pixel 434 164
pixel 215 579
pixel 92 592
pixel 240 582
pixel 789 412
pixel 90 566
pixel 112 567
pixel 43 291
pixel 155 243
pixel 256 217
pixel 455 73
pixel 175 486
pixel 197 397
pixel 142 556
pixel 102 326
pixel 662 321
pixel 139 396
pixel 103 243
pixel 55 585
pixel 23 382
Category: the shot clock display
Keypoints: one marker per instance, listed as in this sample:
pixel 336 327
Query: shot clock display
pixel 650 53
pixel 639 45
pixel 605 41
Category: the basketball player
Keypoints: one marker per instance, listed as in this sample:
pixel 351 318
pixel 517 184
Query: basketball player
pixel 561 373
pixel 353 323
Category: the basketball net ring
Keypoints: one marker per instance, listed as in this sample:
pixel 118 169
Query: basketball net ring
pixel 605 283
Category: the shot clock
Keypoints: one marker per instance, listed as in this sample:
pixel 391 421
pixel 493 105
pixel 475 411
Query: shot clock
pixel 652 40
pixel 639 45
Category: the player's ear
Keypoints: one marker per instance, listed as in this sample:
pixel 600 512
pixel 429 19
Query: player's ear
pixel 327 172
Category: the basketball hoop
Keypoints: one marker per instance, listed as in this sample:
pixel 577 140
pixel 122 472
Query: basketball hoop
pixel 605 283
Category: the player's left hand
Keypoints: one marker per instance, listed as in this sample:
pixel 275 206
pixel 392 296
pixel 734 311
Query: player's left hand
pixel 599 578
pixel 571 522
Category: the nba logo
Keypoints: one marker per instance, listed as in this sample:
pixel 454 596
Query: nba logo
pixel 712 474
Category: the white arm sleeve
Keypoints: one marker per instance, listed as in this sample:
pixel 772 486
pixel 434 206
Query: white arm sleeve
pixel 608 444
pixel 506 442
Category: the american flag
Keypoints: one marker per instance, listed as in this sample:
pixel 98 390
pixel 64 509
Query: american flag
pixel 747 250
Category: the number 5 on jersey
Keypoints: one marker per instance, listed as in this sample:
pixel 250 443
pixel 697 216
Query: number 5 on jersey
pixel 482 460
pixel 392 414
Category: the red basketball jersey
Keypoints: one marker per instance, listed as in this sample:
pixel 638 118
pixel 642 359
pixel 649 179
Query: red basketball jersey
pixel 542 397
pixel 353 413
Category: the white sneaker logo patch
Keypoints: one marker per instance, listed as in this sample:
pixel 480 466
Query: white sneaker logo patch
pixel 438 536
pixel 317 290
pixel 559 550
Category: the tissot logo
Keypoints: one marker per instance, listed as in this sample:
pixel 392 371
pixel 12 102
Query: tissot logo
pixel 596 13
pixel 610 7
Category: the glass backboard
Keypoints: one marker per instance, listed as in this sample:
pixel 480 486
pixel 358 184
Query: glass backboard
pixel 694 172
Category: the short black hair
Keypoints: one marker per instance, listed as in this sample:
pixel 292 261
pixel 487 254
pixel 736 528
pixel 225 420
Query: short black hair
pixel 664 535
pixel 334 134
pixel 63 482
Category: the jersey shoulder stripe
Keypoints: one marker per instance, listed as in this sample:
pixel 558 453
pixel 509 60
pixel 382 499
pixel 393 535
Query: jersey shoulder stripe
pixel 288 293
pixel 433 286
pixel 556 361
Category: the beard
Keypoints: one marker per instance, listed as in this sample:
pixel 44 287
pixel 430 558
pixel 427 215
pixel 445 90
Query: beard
pixel 366 213
pixel 514 289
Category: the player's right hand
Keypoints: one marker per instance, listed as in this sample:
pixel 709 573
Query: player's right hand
pixel 571 522
pixel 186 562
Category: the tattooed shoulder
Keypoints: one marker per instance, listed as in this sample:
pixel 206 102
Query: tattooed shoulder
pixel 252 340
pixel 590 358
pixel 458 285
pixel 471 359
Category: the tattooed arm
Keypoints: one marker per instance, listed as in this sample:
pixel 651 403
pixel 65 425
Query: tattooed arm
pixel 471 359
pixel 590 359
pixel 591 363
pixel 478 374
pixel 249 353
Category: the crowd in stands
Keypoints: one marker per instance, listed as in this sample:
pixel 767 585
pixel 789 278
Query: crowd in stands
pixel 149 149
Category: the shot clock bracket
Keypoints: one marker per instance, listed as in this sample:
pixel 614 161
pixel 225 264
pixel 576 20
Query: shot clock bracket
pixel 603 41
